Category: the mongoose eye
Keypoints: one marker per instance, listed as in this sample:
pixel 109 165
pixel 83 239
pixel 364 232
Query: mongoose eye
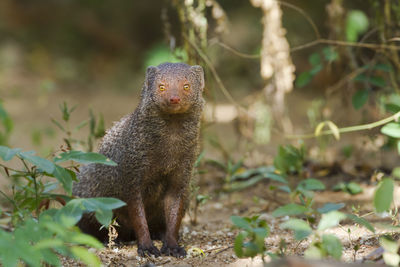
pixel 161 87
pixel 186 87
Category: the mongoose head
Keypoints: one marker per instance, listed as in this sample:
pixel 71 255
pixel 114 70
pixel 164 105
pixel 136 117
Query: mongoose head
pixel 174 87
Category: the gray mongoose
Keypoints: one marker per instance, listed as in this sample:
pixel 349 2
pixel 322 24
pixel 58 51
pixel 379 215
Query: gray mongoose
pixel 155 148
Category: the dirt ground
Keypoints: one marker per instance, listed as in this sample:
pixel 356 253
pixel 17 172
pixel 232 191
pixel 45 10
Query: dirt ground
pixel 210 242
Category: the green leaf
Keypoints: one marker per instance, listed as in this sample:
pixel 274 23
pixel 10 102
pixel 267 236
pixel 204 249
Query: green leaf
pixel 48 243
pixel 104 217
pixel 241 223
pixel 65 177
pixel 85 256
pixel 301 228
pixel 275 177
pixel 88 240
pixel 389 244
pixel 314 59
pixel 384 195
pixel 331 207
pixel 396 172
pixel 84 157
pixel 289 209
pixel 41 163
pixel 330 54
pixel 360 98
pixel 7 153
pixel 356 24
pixel 354 188
pixel 391 129
pixel 311 184
pixel 106 203
pixel 332 246
pixel 314 253
pixel 330 219
pixel 238 246
pixel 303 79
pixel 383 67
pixel 361 221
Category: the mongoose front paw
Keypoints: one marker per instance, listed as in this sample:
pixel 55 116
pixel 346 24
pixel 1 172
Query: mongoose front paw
pixel 176 251
pixel 148 250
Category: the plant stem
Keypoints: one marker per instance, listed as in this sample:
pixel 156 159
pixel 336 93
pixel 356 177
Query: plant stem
pixel 355 128
pixel 34 176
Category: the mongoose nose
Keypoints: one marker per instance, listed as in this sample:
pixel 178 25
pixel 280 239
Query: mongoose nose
pixel 174 100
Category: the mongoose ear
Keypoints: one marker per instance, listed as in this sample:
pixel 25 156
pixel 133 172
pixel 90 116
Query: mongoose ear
pixel 150 75
pixel 198 70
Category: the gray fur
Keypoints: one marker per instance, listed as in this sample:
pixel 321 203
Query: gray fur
pixel 155 148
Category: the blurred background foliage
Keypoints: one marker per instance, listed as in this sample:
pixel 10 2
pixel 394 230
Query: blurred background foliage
pixel 94 53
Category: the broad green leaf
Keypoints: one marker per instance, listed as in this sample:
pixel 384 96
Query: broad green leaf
pixel 330 54
pixel 391 259
pixel 356 24
pixel 391 129
pixel 301 228
pixel 41 163
pixel 332 246
pixel 303 79
pixel 314 59
pixel 384 195
pixel 311 184
pixel 84 157
pixel 289 209
pixel 106 203
pixel 241 222
pixel 104 217
pixel 50 257
pixel 389 244
pixel 330 219
pixel 65 177
pixel 7 153
pixel 72 212
pixel 354 188
pixel 314 253
pixel 383 67
pixel 396 172
pixel 48 243
pixel 275 177
pixel 85 256
pixel 360 98
pixel 361 221
pixel 331 207
pixel 88 240
pixel 238 246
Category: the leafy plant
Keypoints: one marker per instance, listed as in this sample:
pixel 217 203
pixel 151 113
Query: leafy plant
pixel 96 128
pixel 41 235
pixel 317 63
pixel 290 159
pixel 352 188
pixel 250 241
pixel 244 179
pixel 6 125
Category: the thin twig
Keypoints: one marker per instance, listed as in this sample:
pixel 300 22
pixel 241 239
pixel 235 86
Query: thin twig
pixel 214 72
pixel 345 80
pixel 306 16
pixel 355 128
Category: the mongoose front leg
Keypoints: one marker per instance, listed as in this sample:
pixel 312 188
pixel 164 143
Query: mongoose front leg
pixel 173 210
pixel 137 216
